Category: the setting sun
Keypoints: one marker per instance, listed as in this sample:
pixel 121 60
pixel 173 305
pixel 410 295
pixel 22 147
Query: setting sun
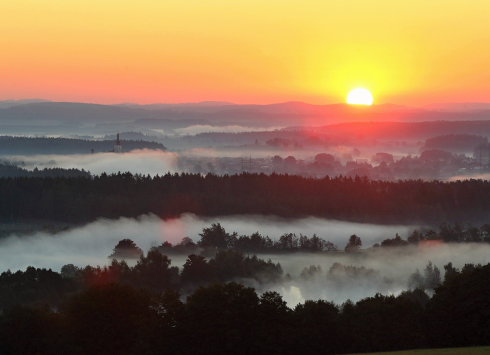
pixel 360 97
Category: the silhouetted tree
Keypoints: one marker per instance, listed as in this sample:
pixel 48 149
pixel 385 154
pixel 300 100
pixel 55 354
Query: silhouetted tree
pixel 432 276
pixel 288 242
pixel 196 270
pixel 457 315
pixel 354 244
pixel 215 236
pixel 154 271
pixel 109 319
pixel 290 160
pixel 126 249
pixel 277 159
pixel 324 158
pixel 430 280
pixel 415 237
pixel 222 319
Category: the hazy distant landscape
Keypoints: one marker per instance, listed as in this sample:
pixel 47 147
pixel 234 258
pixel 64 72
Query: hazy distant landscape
pixel 384 205
pixel 287 193
pixel 423 143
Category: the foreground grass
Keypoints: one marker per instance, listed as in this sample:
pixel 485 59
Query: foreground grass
pixel 481 350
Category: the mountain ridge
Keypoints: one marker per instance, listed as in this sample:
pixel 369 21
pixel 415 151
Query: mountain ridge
pixel 286 113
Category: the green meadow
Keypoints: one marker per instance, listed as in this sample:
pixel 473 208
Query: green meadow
pixel 450 351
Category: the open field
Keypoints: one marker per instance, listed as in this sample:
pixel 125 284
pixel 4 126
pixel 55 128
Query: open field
pixel 451 351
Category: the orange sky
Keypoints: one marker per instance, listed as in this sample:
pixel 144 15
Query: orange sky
pixel 410 52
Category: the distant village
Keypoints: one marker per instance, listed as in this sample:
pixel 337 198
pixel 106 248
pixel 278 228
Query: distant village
pixel 432 164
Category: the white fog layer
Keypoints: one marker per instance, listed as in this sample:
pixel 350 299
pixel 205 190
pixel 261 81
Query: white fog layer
pixel 144 161
pixel 196 129
pixel 92 243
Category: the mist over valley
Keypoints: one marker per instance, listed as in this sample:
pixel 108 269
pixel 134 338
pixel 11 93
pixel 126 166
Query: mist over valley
pixel 391 268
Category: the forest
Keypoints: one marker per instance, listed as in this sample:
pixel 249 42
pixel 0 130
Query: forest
pixel 216 237
pixel 9 170
pixel 455 142
pixel 355 199
pixel 141 309
pixel 10 145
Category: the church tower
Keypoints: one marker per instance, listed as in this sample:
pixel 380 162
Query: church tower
pixel 118 146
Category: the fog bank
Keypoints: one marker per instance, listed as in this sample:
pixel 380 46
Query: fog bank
pixel 394 267
pixel 144 161
pixel 92 243
pixel 196 129
pixel 469 177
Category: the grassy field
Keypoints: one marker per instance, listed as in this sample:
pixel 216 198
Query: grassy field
pixel 452 351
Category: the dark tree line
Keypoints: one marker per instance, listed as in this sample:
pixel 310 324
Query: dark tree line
pixel 447 233
pixel 344 198
pixel 453 142
pixel 114 318
pixel 9 170
pixel 216 237
pixel 10 145
pixel 152 271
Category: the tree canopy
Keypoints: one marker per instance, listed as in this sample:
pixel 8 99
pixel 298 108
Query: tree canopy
pixel 346 198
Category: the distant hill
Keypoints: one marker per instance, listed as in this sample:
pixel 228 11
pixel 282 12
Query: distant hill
pixel 70 112
pixel 283 114
pixel 166 124
pixel 459 106
pixel 138 136
pixel 12 103
pixel 181 105
pixel 401 130
pixel 455 142
pixel 353 134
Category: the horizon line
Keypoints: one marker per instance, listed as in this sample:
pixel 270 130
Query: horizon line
pixel 228 103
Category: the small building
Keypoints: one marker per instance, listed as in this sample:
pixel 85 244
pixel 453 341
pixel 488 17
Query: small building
pixel 118 146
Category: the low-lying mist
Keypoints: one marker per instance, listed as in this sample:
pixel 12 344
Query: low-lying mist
pixel 394 265
pixel 144 161
pixel 469 176
pixel 196 129
pixel 91 244
pixel 340 152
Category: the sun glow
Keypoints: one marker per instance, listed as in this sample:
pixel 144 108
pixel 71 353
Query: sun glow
pixel 405 52
pixel 360 97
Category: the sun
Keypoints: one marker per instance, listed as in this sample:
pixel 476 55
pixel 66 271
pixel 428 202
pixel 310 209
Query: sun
pixel 360 97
